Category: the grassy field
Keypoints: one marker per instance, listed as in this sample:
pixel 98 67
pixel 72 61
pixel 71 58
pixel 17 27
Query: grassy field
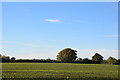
pixel 66 71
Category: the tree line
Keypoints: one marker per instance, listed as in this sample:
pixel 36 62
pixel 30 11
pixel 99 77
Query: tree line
pixel 66 55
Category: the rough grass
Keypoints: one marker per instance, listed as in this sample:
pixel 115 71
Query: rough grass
pixel 59 71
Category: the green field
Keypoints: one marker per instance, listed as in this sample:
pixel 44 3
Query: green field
pixel 68 71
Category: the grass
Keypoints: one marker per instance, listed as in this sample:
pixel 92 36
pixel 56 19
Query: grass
pixel 66 71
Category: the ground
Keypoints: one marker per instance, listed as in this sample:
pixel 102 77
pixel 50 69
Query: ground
pixel 66 71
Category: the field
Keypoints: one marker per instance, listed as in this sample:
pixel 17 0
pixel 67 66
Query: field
pixel 55 71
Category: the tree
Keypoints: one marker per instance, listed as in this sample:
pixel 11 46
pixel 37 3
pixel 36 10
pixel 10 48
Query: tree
pixel 111 60
pixel 85 60
pixel 104 62
pixel 5 58
pixel 119 61
pixel 79 59
pixel 13 58
pixel 97 57
pixel 67 55
pixel 0 58
pixel 48 60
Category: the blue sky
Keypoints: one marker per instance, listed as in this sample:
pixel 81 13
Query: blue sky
pixel 41 30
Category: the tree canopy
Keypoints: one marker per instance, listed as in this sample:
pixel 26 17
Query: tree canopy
pixel 97 57
pixel 67 55
pixel 112 60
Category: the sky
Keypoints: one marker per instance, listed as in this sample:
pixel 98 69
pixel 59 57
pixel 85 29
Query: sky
pixel 42 29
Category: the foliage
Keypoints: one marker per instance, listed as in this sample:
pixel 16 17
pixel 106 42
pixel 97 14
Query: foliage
pixel 104 62
pixel 112 60
pixel 85 59
pixel 5 58
pixel 67 55
pixel 119 61
pixel 79 59
pixel 97 57
pixel 13 58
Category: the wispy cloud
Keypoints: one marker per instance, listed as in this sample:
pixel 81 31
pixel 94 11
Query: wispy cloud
pixel 112 36
pixel 53 20
pixel 18 43
pixel 2 42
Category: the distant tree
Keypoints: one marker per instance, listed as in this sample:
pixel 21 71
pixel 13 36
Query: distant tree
pixel 79 59
pixel 5 58
pixel 34 59
pixel 85 60
pixel 104 62
pixel 48 60
pixel 97 57
pixel 0 58
pixel 67 55
pixel 13 58
pixel 119 61
pixel 111 60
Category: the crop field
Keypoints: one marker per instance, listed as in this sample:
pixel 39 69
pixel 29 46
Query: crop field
pixel 59 71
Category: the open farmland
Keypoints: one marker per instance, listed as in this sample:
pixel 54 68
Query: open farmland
pixel 53 71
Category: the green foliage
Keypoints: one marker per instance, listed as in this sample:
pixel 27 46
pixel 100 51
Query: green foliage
pixel 67 55
pixel 5 58
pixel 79 59
pixel 119 61
pixel 85 59
pixel 13 58
pixel 97 57
pixel 104 62
pixel 112 60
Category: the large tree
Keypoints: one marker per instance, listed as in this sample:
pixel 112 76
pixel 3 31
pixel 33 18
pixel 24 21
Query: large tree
pixel 97 57
pixel 67 55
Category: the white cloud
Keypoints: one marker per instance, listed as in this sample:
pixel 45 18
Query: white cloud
pixel 52 20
